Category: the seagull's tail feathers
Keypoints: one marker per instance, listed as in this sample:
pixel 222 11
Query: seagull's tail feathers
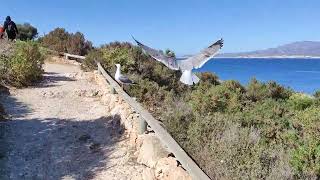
pixel 189 78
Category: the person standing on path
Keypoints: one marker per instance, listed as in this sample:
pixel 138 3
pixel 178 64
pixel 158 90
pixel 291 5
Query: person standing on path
pixel 10 28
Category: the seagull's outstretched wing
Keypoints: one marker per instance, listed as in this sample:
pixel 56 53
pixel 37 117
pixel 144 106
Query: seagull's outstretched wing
pixel 158 55
pixel 200 59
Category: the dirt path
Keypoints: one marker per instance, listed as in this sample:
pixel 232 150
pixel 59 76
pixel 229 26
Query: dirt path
pixel 59 130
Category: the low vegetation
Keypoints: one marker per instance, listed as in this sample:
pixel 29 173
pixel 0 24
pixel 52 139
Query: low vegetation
pixel 257 131
pixel 62 41
pixel 26 32
pixel 23 66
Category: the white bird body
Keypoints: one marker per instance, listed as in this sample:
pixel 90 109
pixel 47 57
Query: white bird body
pixel 118 74
pixel 189 78
pixel 121 78
pixel 185 65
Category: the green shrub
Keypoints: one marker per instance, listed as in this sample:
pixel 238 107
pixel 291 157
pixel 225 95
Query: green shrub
pixel 276 91
pixel 110 54
pixel 305 156
pixel 306 160
pixel 257 91
pixel 221 98
pixel 226 150
pixel 208 77
pixel 4 68
pixel 25 65
pixel 208 101
pixel 149 93
pixel 26 32
pixel 90 61
pixel 234 86
pixel 117 55
pixel 300 101
pixel 177 118
pixel 307 122
pixel 270 117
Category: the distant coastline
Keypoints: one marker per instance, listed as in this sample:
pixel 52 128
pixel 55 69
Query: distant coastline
pixel 268 57
pixel 296 50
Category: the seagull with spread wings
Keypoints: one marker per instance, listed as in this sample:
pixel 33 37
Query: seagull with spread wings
pixel 185 65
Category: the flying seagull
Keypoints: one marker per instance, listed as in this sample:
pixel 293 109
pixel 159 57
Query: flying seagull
pixel 185 64
pixel 120 78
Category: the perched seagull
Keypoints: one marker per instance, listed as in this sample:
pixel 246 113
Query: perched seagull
pixel 185 64
pixel 120 78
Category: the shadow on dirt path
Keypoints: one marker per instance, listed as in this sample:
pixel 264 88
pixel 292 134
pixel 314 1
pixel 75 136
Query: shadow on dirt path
pixel 54 148
pixel 62 135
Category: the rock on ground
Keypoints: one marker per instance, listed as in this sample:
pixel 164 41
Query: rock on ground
pixel 151 151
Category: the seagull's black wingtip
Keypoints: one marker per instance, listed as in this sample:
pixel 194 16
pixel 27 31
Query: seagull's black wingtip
pixel 135 39
pixel 219 42
pixel 139 43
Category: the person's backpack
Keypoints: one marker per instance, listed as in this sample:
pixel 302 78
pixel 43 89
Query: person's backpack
pixel 10 27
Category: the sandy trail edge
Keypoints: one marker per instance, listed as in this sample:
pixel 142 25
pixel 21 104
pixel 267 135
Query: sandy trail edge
pixel 59 130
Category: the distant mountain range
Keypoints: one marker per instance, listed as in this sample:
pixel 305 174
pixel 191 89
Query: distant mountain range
pixel 296 49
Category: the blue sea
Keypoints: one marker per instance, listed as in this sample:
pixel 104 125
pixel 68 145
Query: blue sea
pixel 302 75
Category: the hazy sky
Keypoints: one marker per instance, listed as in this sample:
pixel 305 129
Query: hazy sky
pixel 182 25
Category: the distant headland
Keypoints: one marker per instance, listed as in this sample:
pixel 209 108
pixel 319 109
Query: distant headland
pixel 301 49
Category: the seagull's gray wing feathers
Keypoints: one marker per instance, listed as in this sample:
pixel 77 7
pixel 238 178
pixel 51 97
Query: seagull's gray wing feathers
pixel 125 80
pixel 158 55
pixel 200 59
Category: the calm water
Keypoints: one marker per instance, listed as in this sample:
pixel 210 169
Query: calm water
pixel 302 75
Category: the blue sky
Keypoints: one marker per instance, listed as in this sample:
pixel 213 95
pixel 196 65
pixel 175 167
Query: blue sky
pixel 182 25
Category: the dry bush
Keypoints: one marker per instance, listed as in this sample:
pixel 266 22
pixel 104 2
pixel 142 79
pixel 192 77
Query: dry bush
pixel 208 77
pixel 26 32
pixel 62 41
pixel 77 44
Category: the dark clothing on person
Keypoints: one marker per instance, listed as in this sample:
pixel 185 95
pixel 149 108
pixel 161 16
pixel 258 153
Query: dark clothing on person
pixel 10 28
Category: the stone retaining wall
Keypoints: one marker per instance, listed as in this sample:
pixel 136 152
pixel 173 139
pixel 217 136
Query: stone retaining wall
pixel 147 147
